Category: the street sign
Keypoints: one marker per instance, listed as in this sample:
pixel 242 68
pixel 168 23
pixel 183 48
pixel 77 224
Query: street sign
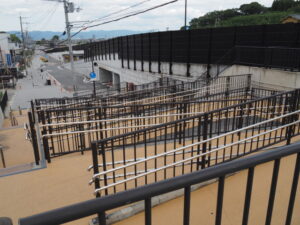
pixel 93 75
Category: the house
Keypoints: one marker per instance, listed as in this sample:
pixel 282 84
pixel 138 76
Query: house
pixel 293 18
pixel 7 50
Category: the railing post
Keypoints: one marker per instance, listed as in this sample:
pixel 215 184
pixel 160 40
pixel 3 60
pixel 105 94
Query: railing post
pixel 187 203
pixel 293 103
pixel 148 219
pixel 2 157
pixel 32 110
pixel 227 86
pixel 34 139
pixel 45 139
pixel 46 147
pixel 204 145
pixel 248 82
pixel 101 215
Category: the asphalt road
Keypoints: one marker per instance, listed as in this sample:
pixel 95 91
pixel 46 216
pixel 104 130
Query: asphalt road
pixel 33 87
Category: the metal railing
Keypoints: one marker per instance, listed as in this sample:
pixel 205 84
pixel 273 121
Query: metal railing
pixel 62 135
pixel 211 130
pixel 172 90
pixel 146 194
pixel 67 130
pixel 192 157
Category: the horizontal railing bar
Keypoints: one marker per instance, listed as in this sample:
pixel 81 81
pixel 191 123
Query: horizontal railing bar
pixel 155 116
pixel 129 127
pixel 180 153
pixel 193 117
pixel 179 162
pixel 159 96
pixel 85 111
pixel 208 140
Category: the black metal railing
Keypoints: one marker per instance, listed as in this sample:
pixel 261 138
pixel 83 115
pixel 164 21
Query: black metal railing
pixel 72 130
pixel 3 101
pixel 248 118
pixel 274 157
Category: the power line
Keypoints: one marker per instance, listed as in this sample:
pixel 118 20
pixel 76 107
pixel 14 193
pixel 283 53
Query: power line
pixel 50 15
pixel 119 11
pixel 124 17
pixel 42 20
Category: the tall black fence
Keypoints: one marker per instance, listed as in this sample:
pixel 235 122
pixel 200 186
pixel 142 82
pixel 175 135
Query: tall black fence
pixel 202 46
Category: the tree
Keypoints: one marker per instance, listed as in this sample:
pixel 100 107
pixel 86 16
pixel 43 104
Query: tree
pixel 252 8
pixel 55 38
pixel 213 18
pixel 43 41
pixel 14 38
pixel 282 5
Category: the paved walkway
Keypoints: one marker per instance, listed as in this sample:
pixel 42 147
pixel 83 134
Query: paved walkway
pixel 33 87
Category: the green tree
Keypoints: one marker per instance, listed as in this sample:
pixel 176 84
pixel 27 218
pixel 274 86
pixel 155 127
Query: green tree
pixel 55 38
pixel 213 18
pixel 252 8
pixel 15 38
pixel 282 5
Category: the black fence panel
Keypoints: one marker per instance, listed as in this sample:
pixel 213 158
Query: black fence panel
pixel 222 42
pixel 199 46
pixel 204 46
pixel 180 40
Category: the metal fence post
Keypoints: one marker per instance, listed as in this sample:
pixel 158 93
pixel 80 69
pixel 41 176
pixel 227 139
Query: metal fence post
pixel 101 215
pixel 34 139
pixel 227 86
pixel 204 145
pixel 2 157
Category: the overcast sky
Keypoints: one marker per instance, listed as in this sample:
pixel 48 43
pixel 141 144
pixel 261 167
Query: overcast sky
pixel 45 15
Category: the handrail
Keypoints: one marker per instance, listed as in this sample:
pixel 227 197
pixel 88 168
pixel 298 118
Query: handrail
pixel 201 142
pixel 193 117
pixel 98 205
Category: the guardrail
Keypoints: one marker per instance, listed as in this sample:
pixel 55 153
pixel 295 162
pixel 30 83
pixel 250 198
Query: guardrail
pixel 100 205
pixel 249 118
pixel 67 131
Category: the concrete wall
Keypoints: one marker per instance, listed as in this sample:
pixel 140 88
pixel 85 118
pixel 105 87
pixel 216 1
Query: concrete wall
pixel 139 77
pixel 269 78
pixel 105 76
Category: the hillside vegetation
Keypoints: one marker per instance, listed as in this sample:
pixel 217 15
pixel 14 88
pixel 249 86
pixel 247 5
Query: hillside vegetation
pixel 247 14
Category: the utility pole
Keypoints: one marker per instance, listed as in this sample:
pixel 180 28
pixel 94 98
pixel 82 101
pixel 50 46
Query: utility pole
pixel 23 40
pixel 68 27
pixel 68 8
pixel 185 14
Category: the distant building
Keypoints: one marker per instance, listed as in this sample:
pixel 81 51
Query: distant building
pixel 7 50
pixel 294 18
